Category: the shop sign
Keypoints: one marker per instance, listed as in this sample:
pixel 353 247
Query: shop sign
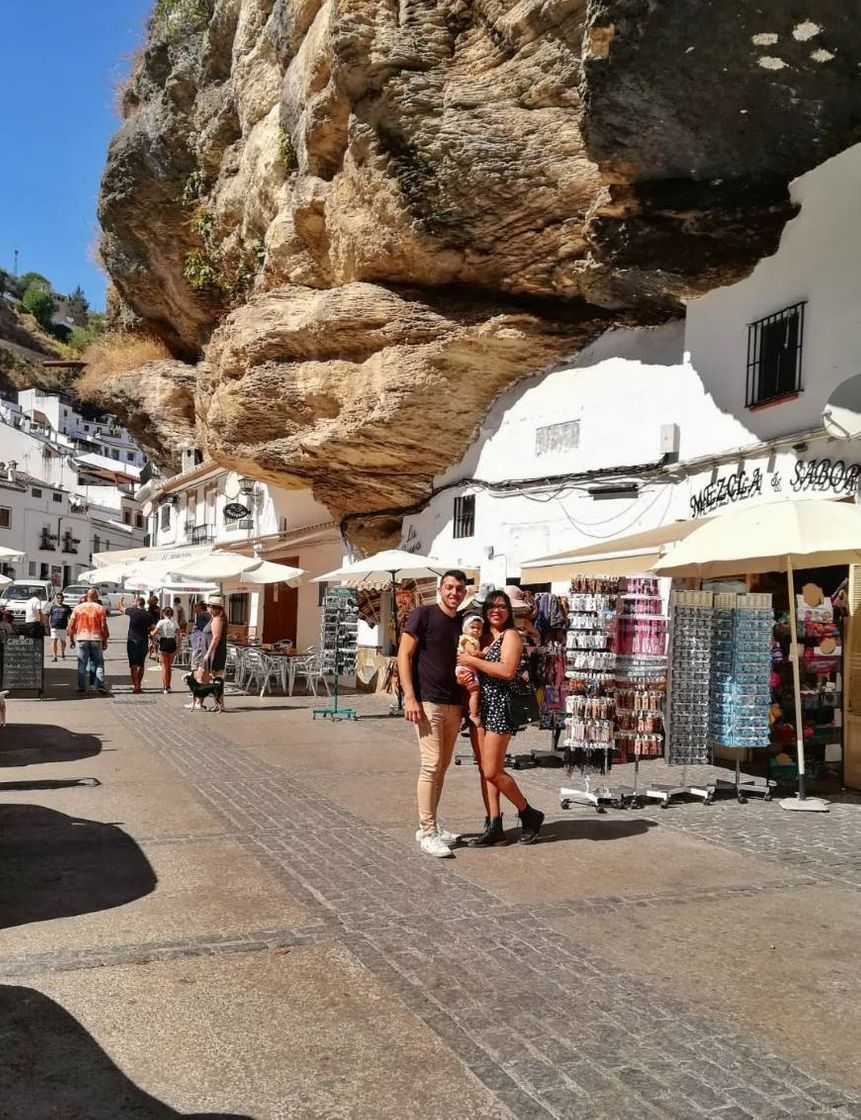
pixel 236 511
pixel 806 476
pixel 726 491
pixel 411 542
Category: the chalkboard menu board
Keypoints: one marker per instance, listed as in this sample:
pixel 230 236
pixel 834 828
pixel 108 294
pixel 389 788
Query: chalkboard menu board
pixel 22 661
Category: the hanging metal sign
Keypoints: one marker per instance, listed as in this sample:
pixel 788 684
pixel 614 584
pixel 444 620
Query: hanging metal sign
pixel 235 511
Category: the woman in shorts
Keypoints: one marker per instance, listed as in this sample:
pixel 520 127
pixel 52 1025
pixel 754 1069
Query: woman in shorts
pixel 164 636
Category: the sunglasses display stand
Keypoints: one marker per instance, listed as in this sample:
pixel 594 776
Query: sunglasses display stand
pixel 338 632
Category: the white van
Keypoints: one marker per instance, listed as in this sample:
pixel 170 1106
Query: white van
pixel 14 596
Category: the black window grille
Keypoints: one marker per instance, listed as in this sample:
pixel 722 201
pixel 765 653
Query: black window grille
pixel 237 609
pixel 201 534
pixel 464 516
pixel 164 516
pixel 774 347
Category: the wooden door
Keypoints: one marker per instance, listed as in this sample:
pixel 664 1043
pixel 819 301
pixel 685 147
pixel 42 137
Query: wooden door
pixel 280 608
pixel 852 683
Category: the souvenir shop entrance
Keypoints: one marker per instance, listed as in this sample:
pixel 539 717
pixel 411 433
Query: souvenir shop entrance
pixel 698 670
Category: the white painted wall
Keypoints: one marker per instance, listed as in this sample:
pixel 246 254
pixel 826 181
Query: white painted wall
pixel 819 260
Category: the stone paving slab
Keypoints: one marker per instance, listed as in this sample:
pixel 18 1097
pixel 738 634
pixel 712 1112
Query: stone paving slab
pixel 584 1035
pixel 782 963
pixel 300 1033
pixel 521 972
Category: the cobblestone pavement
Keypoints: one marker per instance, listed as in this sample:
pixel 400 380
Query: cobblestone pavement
pixel 544 1019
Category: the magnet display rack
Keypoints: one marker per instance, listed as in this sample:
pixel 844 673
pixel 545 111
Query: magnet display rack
pixel 641 674
pixel 339 629
pixel 589 735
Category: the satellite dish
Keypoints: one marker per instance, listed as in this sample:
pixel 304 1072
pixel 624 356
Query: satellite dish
pixel 842 413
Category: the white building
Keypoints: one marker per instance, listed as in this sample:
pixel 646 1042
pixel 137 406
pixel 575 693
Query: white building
pixel 56 415
pixel 649 426
pixel 57 505
pixel 206 507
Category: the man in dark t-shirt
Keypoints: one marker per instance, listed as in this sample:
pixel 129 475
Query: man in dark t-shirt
pixel 141 622
pixel 427 659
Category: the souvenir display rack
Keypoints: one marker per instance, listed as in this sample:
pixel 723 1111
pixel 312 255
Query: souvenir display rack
pixel 740 692
pixel 589 735
pixel 339 628
pixel 820 670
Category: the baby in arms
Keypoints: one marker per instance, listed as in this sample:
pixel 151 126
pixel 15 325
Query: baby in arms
pixel 470 642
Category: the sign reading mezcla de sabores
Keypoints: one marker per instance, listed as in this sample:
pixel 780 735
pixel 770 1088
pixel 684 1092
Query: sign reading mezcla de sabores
pixel 822 476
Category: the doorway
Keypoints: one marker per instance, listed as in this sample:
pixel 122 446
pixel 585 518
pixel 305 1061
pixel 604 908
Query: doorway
pixel 280 608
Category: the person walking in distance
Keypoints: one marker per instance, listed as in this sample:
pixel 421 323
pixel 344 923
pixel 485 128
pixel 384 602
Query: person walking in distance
pixel 215 636
pixel 137 640
pixel 500 666
pixel 58 621
pixel 427 658
pixel 164 633
pixel 34 618
pixel 201 619
pixel 88 628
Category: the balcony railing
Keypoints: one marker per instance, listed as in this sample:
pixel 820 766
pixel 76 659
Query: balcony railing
pixel 70 544
pixel 47 542
pixel 202 534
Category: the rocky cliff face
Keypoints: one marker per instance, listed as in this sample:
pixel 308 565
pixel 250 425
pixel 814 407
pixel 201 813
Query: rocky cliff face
pixel 365 218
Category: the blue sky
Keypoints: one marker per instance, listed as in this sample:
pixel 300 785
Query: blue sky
pixel 60 61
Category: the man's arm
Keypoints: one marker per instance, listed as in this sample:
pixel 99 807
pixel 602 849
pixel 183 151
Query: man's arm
pixel 413 710
pixel 73 625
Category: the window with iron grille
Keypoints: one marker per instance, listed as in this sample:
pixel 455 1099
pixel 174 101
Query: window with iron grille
pixel 237 609
pixel 464 516
pixel 164 522
pixel 5 517
pixel 774 347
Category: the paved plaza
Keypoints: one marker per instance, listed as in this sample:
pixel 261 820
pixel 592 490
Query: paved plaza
pixel 228 916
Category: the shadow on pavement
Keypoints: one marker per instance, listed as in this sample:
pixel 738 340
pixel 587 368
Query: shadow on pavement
pixel 28 744
pixel 53 1068
pixel 598 829
pixel 50 783
pixel 53 865
pixel 262 707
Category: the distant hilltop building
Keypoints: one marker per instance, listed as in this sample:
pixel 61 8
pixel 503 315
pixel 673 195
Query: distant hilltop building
pixel 69 482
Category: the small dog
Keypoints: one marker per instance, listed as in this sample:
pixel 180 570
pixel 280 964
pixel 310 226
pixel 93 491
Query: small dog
pixel 199 692
pixel 3 696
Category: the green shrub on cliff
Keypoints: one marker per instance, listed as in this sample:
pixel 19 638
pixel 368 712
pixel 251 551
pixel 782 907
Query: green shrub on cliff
pixel 177 18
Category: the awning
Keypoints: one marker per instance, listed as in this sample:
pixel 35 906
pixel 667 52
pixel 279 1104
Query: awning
pixel 622 556
pixel 166 554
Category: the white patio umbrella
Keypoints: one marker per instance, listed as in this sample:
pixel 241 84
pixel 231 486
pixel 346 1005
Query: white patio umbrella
pixel 384 570
pixel 231 567
pixel 11 553
pixel 111 573
pixel 780 536
pixel 4 580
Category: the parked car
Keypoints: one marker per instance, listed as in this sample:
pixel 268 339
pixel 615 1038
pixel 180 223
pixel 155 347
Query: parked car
pixel 109 596
pixel 15 595
pixel 75 593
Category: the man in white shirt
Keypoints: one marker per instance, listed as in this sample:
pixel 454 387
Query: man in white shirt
pixel 34 619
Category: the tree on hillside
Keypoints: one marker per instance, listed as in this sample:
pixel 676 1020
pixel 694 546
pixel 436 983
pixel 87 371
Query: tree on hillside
pixel 40 303
pixel 79 308
pixel 34 280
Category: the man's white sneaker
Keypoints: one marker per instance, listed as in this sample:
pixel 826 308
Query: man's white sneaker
pixel 433 846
